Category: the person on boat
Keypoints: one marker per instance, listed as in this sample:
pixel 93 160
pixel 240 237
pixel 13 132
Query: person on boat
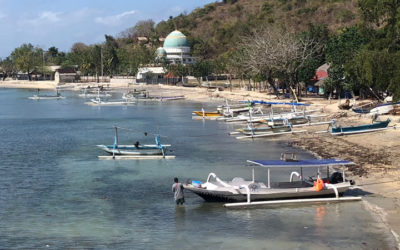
pixel 177 188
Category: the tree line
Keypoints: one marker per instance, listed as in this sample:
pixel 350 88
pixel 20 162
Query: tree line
pixel 363 58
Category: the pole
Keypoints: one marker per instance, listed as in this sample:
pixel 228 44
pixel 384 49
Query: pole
pixel 43 64
pixel 101 59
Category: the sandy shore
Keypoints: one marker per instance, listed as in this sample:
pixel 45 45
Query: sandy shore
pixel 376 154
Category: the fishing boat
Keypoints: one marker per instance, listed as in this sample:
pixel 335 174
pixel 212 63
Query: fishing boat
pixel 206 114
pixel 240 190
pixel 169 98
pixel 136 94
pixel 364 108
pixel 99 102
pixel 384 108
pixel 261 129
pixel 375 126
pixel 46 97
pixel 94 92
pixel 135 149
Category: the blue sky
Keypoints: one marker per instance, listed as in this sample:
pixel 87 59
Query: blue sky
pixel 61 23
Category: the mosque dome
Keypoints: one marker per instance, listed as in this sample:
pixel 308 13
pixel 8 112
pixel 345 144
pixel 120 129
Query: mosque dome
pixel 176 39
pixel 160 52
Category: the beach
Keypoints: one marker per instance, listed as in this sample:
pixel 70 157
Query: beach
pixel 375 154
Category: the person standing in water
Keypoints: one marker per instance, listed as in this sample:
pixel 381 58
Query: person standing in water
pixel 177 188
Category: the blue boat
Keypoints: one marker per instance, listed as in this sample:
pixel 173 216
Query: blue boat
pixel 376 126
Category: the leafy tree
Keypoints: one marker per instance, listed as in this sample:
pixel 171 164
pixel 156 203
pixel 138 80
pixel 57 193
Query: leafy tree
pixel 26 58
pixel 8 67
pixel 109 53
pixel 340 51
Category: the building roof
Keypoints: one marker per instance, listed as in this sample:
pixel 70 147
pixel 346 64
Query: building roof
pixel 176 39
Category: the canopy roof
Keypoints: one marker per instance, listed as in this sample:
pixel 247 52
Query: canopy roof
pixel 282 103
pixel 299 163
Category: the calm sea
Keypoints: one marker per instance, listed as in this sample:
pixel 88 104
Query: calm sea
pixel 56 194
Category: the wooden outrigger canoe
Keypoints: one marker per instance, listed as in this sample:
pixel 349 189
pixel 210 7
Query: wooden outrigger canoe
pixel 207 114
pixel 376 126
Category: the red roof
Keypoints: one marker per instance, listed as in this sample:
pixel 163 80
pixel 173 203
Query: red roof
pixel 169 75
pixel 320 75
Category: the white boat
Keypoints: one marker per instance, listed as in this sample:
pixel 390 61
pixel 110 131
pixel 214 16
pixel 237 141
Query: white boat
pixel 98 102
pixel 384 108
pixel 135 94
pixel 239 189
pixel 46 97
pixel 135 149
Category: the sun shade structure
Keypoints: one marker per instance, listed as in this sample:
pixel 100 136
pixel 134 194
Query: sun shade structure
pixel 299 163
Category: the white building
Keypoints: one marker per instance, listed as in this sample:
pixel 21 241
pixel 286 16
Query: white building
pixel 176 49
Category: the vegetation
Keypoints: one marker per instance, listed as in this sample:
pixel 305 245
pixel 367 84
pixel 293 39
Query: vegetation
pixel 359 40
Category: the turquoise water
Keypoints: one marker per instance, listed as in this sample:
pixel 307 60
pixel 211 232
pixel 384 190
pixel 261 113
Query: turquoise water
pixel 55 193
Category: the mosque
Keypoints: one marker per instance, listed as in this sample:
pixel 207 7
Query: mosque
pixel 176 49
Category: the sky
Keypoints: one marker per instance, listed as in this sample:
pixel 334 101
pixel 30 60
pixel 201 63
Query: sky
pixel 61 23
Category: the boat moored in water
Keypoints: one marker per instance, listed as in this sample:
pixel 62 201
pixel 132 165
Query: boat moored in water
pixel 239 189
pixel 135 149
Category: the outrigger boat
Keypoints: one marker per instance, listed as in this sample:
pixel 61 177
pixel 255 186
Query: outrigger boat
pixel 256 130
pixel 249 192
pixel 98 102
pixel 169 98
pixel 375 126
pixel 136 94
pixel 88 92
pixel 203 113
pixel 46 97
pixel 135 149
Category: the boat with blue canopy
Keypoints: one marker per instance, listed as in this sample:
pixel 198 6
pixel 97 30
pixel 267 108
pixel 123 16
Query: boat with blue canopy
pixel 297 187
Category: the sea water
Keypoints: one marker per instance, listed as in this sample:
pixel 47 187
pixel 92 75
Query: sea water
pixel 56 194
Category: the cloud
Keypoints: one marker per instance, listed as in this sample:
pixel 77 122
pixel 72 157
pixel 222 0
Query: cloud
pixel 114 20
pixel 46 17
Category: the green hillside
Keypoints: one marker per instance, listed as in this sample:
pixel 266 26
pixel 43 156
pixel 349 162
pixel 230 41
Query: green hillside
pixel 216 27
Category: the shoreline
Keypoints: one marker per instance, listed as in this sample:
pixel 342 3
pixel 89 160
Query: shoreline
pixel 377 162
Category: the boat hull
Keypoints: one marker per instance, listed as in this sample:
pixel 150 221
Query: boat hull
pixel 360 129
pixel 132 150
pixel 257 130
pixel 265 194
pixel 207 114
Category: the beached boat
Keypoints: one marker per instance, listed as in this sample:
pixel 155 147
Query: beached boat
pixel 239 190
pixel 135 149
pixel 169 98
pixel 364 108
pixel 375 126
pixel 384 108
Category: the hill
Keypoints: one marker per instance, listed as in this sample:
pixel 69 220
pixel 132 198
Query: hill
pixel 216 27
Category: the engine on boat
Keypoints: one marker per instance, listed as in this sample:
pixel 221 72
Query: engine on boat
pixel 336 177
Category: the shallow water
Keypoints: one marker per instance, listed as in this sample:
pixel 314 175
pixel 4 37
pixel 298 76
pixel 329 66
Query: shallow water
pixel 55 193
